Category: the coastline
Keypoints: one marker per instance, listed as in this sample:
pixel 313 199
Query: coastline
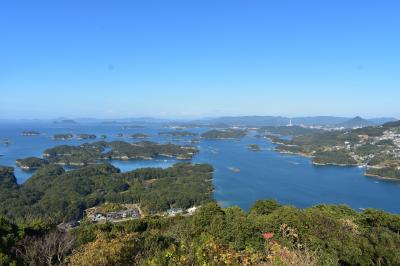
pixel 381 177
pixel 293 153
pixel 334 164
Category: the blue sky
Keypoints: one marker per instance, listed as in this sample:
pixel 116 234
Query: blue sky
pixel 187 59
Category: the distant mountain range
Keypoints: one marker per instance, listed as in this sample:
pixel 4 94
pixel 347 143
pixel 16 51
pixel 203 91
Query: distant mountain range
pixel 331 121
pixel 245 121
pixel 308 121
pixel 357 122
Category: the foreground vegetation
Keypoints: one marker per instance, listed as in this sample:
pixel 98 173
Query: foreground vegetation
pixel 269 234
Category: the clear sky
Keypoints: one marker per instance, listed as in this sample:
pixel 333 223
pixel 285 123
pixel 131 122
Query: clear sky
pixel 114 58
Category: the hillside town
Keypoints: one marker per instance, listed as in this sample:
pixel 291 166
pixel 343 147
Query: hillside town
pixel 100 214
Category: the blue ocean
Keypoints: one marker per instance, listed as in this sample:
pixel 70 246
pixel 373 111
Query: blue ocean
pixel 241 175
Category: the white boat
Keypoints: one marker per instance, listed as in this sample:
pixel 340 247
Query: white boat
pixel 234 169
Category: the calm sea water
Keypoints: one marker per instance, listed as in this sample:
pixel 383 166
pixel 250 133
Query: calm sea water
pixel 263 175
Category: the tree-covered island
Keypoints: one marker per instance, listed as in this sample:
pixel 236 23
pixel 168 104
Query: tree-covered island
pixel 30 133
pixel 224 134
pixel 177 133
pixel 66 136
pixel 254 147
pixel 86 136
pixel 139 136
pixel 93 153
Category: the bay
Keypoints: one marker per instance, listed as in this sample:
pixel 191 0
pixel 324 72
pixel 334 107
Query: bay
pixel 241 175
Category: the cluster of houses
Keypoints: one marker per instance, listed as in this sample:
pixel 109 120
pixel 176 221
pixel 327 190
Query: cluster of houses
pixel 391 135
pixel 96 215
pixel 394 136
pixel 114 216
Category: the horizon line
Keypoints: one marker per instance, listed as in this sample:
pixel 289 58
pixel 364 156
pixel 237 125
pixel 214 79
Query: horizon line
pixel 191 118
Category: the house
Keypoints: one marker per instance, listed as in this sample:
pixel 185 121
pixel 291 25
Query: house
pixel 131 213
pixel 192 210
pixel 174 211
pixel 97 217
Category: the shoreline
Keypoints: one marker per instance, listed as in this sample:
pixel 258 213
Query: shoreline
pixel 335 164
pixel 381 177
pixel 293 153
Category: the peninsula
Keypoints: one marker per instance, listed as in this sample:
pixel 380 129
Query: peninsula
pixel 31 163
pixel 377 148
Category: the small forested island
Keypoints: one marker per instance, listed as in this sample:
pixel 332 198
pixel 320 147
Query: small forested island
pixel 31 163
pixel 377 148
pixel 254 147
pixel 67 136
pixel 133 127
pixel 93 153
pixel 194 140
pixel 148 150
pixel 65 121
pixel 30 133
pixel 224 134
pixel 86 136
pixel 180 126
pixel 113 122
pixel 139 136
pixel 178 133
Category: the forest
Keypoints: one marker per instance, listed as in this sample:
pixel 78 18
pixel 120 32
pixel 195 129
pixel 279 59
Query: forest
pixel 55 195
pixel 268 234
